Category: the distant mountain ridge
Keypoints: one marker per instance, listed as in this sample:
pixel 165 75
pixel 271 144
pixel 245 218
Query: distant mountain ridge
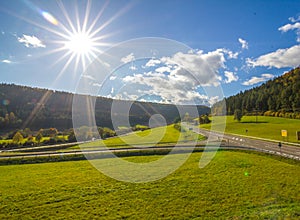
pixel 277 97
pixel 37 108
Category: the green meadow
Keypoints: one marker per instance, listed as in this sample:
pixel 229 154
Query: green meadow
pixel 155 136
pixel 234 185
pixel 266 127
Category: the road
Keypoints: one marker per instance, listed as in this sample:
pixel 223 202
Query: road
pixel 272 147
pixel 106 152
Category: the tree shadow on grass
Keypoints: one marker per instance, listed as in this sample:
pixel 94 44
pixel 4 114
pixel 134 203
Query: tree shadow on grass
pixel 254 122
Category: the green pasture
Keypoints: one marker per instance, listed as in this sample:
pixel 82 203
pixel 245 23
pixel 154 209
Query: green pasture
pixel 234 185
pixel 159 135
pixel 263 127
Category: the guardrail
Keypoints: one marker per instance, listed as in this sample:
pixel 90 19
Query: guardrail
pixel 254 138
pixel 123 152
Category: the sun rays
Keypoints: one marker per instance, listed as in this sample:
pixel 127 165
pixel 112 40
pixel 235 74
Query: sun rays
pixel 80 39
pixel 77 36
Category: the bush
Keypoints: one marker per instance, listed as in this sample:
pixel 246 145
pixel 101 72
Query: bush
pixel 238 115
pixel 11 145
pixel 140 127
pixel 29 143
pixel 71 137
pixel 178 127
pixel 17 138
pixel 268 113
pixel 50 132
pixel 203 119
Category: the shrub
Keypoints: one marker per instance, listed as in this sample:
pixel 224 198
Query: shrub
pixel 17 138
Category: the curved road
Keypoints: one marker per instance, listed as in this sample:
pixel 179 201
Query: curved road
pixel 272 147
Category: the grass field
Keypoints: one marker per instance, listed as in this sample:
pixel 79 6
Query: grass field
pixel 267 127
pixel 235 185
pixel 159 135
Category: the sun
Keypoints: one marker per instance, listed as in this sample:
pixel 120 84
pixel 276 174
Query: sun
pixel 78 35
pixel 80 44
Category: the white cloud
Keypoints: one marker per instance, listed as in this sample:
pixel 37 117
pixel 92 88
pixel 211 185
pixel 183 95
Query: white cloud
pixel 292 19
pixel 169 88
pixel 198 68
pixel 31 41
pixel 163 69
pixel 152 62
pixel 133 67
pixel 178 77
pixel 6 61
pixel 128 58
pixel 280 58
pixel 267 75
pixel 255 79
pixel 295 26
pixel 230 54
pixel 244 43
pixel 231 77
pixel 213 100
pixel 289 27
pixel 112 78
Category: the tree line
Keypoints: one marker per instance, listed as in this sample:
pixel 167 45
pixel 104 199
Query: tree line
pixel 279 97
pixel 50 136
pixel 35 108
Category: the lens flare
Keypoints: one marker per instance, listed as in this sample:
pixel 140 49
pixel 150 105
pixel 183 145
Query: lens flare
pixel 49 18
pixel 5 102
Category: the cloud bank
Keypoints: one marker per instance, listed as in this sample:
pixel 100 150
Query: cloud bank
pixel 281 58
pixel 177 78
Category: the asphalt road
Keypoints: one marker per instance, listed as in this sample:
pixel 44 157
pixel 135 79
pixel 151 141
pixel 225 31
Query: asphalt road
pixel 272 147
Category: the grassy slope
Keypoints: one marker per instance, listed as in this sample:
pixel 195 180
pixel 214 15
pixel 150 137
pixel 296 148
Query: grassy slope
pixel 220 190
pixel 267 127
pixel 161 135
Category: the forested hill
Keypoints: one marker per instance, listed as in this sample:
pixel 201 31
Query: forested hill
pixel 35 108
pixel 276 97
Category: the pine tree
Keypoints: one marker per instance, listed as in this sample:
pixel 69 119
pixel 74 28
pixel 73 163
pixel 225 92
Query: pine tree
pixel 238 115
pixel 17 138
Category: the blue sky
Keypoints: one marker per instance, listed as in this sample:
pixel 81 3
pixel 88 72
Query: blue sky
pixel 244 42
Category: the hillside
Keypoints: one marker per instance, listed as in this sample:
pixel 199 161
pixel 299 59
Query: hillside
pixel 276 97
pixel 37 108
